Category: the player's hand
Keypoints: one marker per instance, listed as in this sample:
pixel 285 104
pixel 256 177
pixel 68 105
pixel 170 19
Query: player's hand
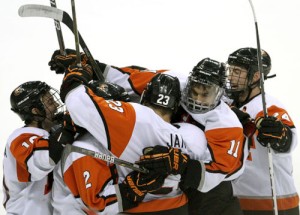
pixel 271 130
pixel 136 185
pixel 164 160
pixel 58 139
pixel 74 77
pixel 70 126
pixel 242 116
pixel 60 63
pixel 247 122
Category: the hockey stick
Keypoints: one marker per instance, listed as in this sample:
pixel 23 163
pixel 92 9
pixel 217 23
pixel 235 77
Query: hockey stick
pixel 58 32
pixel 265 111
pixel 99 155
pixel 33 10
pixel 78 59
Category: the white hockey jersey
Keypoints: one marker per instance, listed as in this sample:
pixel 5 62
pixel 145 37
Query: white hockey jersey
pixel 27 173
pixel 227 146
pixel 124 129
pixel 63 201
pixel 253 188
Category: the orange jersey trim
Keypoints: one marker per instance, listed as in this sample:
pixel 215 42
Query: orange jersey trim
pixel 160 204
pixel 279 113
pixel 22 149
pixel 119 121
pixel 226 146
pixel 87 177
pixel 140 78
pixel 267 204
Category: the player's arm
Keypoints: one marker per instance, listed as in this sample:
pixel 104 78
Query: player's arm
pixel 32 157
pixel 92 180
pixel 96 183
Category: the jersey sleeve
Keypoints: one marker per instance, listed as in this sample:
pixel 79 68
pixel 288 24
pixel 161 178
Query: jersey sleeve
pixel 281 114
pixel 110 122
pixel 133 80
pixel 32 157
pixel 92 180
pixel 227 151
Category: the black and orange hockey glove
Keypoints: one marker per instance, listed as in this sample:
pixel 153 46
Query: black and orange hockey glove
pixel 58 138
pixel 60 63
pixel 74 77
pixel 272 130
pixel 61 135
pixel 164 160
pixel 70 126
pixel 136 185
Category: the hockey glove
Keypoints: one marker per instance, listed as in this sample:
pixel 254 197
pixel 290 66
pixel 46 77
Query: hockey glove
pixel 192 175
pixel 136 185
pixel 74 77
pixel 60 63
pixel 70 126
pixel 272 130
pixel 164 160
pixel 247 122
pixel 58 138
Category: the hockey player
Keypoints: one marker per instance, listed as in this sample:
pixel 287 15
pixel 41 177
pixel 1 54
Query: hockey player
pixel 27 171
pixel 124 129
pixel 223 131
pixel 63 200
pixel 253 188
pixel 211 193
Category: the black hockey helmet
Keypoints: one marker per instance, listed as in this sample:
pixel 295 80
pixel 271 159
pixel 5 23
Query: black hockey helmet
pixel 109 91
pixel 211 76
pixel 163 90
pixel 28 96
pixel 209 71
pixel 247 58
pixel 242 65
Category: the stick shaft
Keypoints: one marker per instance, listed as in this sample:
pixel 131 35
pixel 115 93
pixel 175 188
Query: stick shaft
pixel 265 111
pixel 34 10
pixel 78 58
pixel 105 157
pixel 58 32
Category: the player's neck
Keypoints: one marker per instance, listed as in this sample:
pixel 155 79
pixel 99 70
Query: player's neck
pixel 165 117
pixel 255 91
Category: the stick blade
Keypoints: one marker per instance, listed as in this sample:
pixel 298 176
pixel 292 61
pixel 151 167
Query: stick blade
pixel 35 10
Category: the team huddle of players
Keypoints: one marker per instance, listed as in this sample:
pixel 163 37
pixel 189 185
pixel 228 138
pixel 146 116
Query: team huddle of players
pixel 202 138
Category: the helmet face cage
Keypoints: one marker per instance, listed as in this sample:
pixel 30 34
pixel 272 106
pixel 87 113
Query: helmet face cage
pixel 163 90
pixel 210 96
pixel 52 104
pixel 109 91
pixel 204 87
pixel 237 79
pixel 39 95
pixel 245 59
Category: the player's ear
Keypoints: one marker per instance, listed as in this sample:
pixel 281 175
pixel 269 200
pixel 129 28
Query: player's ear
pixel 34 111
pixel 256 76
